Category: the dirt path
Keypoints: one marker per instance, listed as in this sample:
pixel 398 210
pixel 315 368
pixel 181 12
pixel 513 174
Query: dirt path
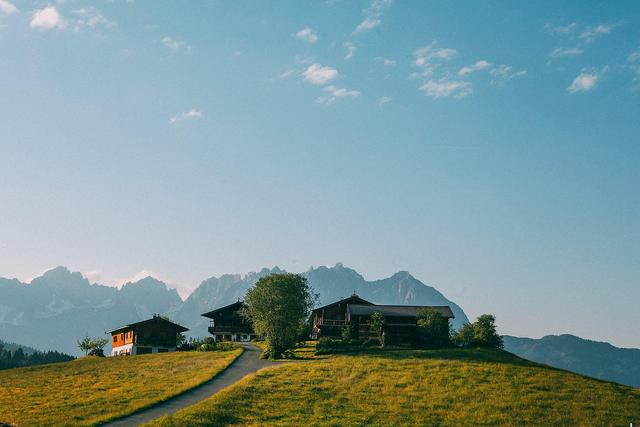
pixel 248 362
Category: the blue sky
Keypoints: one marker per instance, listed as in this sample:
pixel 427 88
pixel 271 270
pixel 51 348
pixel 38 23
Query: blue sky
pixel 490 148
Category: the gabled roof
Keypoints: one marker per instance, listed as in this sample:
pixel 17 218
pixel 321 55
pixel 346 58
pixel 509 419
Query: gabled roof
pixel 154 319
pixel 235 306
pixel 353 299
pixel 398 310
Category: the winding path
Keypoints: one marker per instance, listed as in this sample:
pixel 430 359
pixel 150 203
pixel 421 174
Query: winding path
pixel 248 362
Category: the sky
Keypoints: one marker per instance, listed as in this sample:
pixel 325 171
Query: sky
pixel 490 148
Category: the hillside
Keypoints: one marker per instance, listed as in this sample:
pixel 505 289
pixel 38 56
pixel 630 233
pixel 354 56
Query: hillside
pixel 91 390
pixel 415 387
pixel 595 359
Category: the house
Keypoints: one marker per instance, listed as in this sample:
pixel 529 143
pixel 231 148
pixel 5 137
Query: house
pixel 400 321
pixel 227 324
pixel 329 320
pixel 155 335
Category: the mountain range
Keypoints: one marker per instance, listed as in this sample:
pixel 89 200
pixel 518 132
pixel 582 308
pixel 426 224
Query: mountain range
pixel 56 309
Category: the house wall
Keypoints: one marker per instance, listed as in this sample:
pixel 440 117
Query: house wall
pixel 133 349
pixel 233 337
pixel 122 338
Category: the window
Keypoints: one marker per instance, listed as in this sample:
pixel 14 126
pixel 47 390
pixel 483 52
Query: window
pixel 115 338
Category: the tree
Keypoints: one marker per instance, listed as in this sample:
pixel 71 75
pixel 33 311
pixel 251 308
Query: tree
pixel 434 330
pixel 481 333
pixel 180 339
pixel 377 323
pixel 464 336
pixel 278 306
pixel 85 344
pixel 93 345
pixel 484 332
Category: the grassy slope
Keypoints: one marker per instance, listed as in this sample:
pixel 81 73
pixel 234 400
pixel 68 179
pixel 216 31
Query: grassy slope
pixel 92 390
pixel 420 387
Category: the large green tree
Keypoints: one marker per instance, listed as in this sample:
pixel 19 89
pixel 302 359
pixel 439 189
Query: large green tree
pixel 434 330
pixel 278 306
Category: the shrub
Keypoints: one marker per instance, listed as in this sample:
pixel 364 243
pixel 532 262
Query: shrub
pixel 481 333
pixel 349 334
pixel 327 343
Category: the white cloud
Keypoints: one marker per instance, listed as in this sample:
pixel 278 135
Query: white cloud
pixel 185 115
pixel 372 16
pixel 351 50
pixel 318 75
pixel 384 100
pixel 446 88
pixel 503 73
pixel 387 62
pixel 592 33
pixel 424 55
pixel 7 8
pixel 307 35
pixel 142 274
pixel 176 45
pixel 586 81
pixel 561 29
pixel 334 93
pixel 477 66
pixel 47 18
pixel 90 18
pixel 562 52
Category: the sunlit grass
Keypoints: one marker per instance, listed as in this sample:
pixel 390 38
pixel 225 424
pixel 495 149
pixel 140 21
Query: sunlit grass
pixel 92 390
pixel 415 387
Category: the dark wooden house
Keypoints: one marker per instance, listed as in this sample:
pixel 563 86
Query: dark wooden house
pixel 400 321
pixel 329 320
pixel 155 335
pixel 227 324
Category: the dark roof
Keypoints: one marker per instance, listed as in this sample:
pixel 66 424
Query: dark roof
pixel 154 319
pixel 235 306
pixel 352 299
pixel 397 310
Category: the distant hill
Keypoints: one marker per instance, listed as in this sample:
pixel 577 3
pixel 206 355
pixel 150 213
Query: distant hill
pixel 595 359
pixel 11 346
pixel 59 307
pixel 331 283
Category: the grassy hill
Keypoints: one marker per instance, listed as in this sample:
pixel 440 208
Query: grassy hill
pixel 416 387
pixel 91 390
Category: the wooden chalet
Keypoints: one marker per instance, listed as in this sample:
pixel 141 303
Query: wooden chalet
pixel 329 320
pixel 155 335
pixel 227 324
pixel 400 321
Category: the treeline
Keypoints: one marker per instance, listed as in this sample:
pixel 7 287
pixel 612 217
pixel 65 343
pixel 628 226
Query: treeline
pixel 18 358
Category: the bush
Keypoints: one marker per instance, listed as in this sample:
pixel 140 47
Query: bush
pixel 434 330
pixel 348 334
pixel 327 343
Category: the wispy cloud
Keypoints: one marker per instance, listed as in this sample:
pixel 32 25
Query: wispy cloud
pixel 384 100
pixel 592 33
pixel 562 52
pixel 186 115
pixel 634 62
pixel 318 75
pixel 503 73
pixel 334 93
pixel 287 73
pixel 7 8
pixel 385 61
pixel 372 16
pixel 176 45
pixel 351 50
pixel 90 18
pixel 586 81
pixel 476 66
pixel 307 35
pixel 561 29
pixel 444 87
pixel 47 18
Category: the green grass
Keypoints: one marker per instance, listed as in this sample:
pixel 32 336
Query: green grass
pixel 415 387
pixel 93 390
